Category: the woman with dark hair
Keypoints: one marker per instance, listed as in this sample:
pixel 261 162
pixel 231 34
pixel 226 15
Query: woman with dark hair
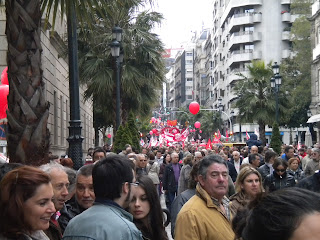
pixel 279 178
pixel 248 185
pixel 287 214
pixel 146 210
pixel 25 204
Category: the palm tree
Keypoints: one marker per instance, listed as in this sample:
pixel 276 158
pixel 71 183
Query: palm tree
pixel 142 72
pixel 28 135
pixel 255 99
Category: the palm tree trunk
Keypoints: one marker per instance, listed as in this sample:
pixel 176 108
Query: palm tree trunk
pixel 28 135
pixel 262 132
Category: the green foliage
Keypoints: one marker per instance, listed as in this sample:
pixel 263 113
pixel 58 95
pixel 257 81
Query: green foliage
pixel 296 71
pixel 142 70
pixel 121 138
pixel 131 128
pixel 276 139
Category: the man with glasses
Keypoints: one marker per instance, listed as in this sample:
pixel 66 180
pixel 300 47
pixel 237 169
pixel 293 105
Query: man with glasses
pixel 313 165
pixel 107 218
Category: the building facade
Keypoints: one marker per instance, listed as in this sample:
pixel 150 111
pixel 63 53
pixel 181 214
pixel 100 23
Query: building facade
pixel 55 77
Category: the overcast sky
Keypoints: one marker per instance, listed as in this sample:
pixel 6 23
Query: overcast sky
pixel 181 18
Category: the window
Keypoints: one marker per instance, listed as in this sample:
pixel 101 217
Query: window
pixel 189 87
pixel 55 118
pixel 189 72
pixel 189 79
pixel 249 46
pixel 211 80
pixel 189 97
pixel 189 54
pixel 189 62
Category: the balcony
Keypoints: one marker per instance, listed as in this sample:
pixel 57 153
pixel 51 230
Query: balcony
pixel 257 17
pixel 285 1
pixel 257 36
pixel 316 52
pixel 240 37
pixel 257 55
pixel 286 36
pixel 240 56
pixel 240 19
pixel 315 7
pixel 286 17
pixel 286 53
pixel 233 76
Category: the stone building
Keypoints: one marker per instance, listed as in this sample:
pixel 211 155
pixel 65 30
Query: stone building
pixel 55 76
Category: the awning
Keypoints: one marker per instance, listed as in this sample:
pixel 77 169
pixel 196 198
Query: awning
pixel 315 118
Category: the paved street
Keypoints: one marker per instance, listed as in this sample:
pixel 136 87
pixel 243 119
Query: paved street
pixel 168 228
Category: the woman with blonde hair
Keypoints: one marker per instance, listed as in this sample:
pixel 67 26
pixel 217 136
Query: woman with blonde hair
pixel 248 185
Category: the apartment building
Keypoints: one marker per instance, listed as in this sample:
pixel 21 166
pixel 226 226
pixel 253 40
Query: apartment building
pixel 315 68
pixel 246 30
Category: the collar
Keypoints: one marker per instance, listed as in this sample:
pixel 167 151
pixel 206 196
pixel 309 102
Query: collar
pixel 211 201
pixel 107 202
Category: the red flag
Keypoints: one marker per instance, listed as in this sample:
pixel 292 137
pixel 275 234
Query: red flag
pixel 227 135
pixel 208 146
pixel 219 134
pixel 247 135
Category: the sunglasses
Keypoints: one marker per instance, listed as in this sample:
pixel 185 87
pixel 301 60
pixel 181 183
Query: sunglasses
pixel 280 170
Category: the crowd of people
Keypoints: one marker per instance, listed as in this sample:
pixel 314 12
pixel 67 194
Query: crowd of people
pixel 220 193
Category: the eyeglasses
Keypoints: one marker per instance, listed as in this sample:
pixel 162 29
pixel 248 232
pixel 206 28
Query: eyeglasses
pixel 280 170
pixel 134 184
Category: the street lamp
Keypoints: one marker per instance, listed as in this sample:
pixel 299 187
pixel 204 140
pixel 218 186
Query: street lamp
pixel 115 52
pixel 275 84
pixel 220 107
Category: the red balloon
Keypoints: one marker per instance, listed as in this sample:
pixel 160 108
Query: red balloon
pixel 200 131
pixel 154 130
pixel 150 132
pixel 194 108
pixel 109 135
pixel 197 124
pixel 4 91
pixel 4 76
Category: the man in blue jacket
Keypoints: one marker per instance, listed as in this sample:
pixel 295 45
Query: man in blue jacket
pixel 107 219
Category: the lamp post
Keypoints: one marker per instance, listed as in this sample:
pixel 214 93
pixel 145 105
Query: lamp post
pixel 231 117
pixel 75 139
pixel 220 107
pixel 275 84
pixel 309 114
pixel 115 52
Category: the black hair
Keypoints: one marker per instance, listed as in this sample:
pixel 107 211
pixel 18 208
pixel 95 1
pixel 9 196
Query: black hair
pixel 278 162
pixel 252 157
pixel 287 148
pixel 98 149
pixel 7 167
pixel 268 155
pixel 275 215
pixel 109 174
pixel 155 229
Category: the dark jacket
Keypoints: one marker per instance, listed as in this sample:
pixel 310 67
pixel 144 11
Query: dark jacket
pixel 264 170
pixel 297 175
pixel 274 182
pixel 232 171
pixel 177 204
pixel 311 183
pixel 169 181
pixel 69 211
pixel 253 141
pixel 53 232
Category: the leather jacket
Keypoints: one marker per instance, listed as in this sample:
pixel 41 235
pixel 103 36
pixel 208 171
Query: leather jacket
pixel 275 182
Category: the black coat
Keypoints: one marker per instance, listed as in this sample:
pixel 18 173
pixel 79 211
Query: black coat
pixel 169 181
pixel 69 211
pixel 273 182
pixel 232 171
pixel 311 183
pixel 264 170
